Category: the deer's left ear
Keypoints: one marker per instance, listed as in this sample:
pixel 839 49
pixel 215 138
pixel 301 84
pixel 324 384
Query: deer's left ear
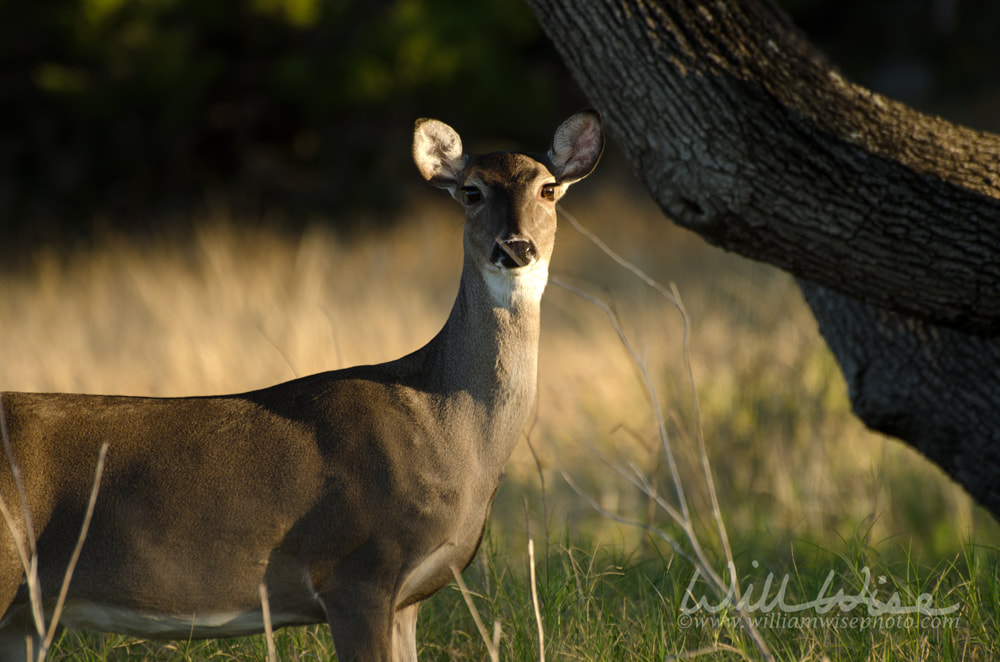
pixel 437 151
pixel 577 146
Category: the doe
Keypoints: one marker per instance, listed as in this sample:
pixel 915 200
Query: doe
pixel 349 494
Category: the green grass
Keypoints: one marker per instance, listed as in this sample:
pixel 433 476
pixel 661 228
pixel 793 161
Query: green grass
pixel 602 604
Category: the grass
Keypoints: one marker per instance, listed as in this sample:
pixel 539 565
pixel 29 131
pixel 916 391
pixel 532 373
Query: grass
pixel 803 488
pixel 600 603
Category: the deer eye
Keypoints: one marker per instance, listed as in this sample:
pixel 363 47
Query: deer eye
pixel 549 191
pixel 471 194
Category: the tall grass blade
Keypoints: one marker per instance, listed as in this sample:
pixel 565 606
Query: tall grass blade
pixel 265 607
pixel 534 600
pixel 491 646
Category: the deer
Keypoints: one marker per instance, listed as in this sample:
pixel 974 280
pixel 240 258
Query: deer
pixel 349 495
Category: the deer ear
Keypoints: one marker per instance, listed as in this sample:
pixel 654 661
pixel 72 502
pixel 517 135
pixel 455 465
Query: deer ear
pixel 437 151
pixel 577 146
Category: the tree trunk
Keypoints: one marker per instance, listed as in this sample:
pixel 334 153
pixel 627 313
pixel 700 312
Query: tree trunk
pixel 890 219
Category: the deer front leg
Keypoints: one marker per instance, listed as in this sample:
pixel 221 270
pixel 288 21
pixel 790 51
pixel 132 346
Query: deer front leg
pixel 361 621
pixel 404 640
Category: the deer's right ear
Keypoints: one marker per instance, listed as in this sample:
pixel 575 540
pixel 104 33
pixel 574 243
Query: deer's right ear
pixel 437 151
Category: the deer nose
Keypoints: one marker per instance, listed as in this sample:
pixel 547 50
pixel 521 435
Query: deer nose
pixel 513 252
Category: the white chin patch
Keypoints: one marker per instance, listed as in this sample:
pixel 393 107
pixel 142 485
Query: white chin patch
pixel 515 287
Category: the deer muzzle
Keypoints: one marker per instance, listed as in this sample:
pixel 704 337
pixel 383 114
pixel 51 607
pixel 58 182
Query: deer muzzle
pixel 513 252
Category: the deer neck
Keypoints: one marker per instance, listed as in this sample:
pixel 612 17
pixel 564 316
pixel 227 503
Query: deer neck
pixel 485 358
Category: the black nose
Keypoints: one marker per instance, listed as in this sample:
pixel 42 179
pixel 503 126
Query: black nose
pixel 513 252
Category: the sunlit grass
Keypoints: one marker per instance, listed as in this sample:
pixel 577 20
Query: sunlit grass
pixel 803 488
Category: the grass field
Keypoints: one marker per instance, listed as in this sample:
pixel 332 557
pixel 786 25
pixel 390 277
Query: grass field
pixel 805 492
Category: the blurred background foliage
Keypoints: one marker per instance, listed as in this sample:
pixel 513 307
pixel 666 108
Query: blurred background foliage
pixel 131 113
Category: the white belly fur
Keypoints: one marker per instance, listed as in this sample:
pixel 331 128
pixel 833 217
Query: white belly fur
pixel 87 615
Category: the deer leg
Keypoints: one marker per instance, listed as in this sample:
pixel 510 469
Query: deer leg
pixel 361 623
pixel 404 634
pixel 16 619
pixel 18 628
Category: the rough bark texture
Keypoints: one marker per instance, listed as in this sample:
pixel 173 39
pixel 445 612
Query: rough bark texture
pixel 891 219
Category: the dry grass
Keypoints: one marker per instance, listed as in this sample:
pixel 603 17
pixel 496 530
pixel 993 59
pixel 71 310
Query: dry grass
pixel 234 307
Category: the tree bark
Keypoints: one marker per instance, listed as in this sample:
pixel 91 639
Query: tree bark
pixel 890 218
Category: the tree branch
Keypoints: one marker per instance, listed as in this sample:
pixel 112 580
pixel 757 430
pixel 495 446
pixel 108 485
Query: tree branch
pixel 746 135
